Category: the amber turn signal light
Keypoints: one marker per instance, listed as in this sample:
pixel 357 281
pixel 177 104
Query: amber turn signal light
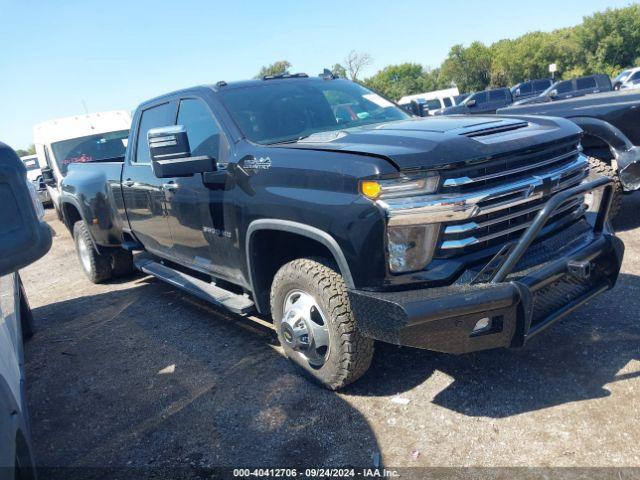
pixel 370 189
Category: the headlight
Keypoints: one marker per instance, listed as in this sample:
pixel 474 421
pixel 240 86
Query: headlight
pixel 404 185
pixel 411 248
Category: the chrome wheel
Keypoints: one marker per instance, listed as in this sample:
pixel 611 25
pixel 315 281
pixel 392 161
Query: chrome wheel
pixel 304 328
pixel 84 254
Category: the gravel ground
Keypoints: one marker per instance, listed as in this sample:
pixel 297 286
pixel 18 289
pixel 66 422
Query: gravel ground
pixel 135 373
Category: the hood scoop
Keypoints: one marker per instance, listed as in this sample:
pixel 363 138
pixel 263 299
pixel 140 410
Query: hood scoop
pixel 495 129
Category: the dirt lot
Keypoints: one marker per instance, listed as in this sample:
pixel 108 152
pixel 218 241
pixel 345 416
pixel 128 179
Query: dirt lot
pixel 138 374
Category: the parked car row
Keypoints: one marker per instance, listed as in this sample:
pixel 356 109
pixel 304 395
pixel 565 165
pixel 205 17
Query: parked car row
pixel 535 91
pixel 424 104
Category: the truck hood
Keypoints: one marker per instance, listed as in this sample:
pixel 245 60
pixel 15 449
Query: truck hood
pixel 441 141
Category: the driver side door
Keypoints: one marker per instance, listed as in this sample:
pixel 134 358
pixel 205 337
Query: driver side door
pixel 195 212
pixel 143 192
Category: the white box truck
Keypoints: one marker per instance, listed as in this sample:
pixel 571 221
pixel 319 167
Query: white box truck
pixel 94 137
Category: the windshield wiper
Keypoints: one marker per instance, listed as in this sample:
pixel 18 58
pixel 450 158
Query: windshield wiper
pixel 290 140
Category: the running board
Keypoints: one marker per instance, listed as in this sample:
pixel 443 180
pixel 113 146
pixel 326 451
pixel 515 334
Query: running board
pixel 208 292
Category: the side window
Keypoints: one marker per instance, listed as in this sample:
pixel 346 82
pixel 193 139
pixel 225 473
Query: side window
pixel 203 131
pixel 496 96
pixel 154 117
pixel 585 83
pixel 433 104
pixel 447 101
pixel 564 87
pixel 480 97
pixel 541 85
pixel 525 88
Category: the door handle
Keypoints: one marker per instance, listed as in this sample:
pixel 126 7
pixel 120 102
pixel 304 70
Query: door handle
pixel 169 186
pixel 128 183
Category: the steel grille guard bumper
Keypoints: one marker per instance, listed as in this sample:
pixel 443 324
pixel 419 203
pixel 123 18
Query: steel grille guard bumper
pixel 443 318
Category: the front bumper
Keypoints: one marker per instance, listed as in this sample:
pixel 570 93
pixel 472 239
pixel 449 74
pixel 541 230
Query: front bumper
pixel 519 304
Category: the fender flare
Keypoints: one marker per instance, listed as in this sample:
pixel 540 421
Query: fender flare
pixel 76 204
pixel 301 229
pixel 71 201
pixel 626 154
pixel 606 132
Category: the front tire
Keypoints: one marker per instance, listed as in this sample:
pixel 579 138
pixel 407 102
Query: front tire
pixel 600 167
pixel 96 267
pixel 315 325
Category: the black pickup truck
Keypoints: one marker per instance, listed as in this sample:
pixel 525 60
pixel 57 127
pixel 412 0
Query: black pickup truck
pixel 611 139
pixel 325 206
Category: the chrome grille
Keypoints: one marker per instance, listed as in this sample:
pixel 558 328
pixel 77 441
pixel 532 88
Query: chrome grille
pixel 508 199
pixel 495 171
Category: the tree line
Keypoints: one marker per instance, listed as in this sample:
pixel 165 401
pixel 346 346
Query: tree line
pixel 605 42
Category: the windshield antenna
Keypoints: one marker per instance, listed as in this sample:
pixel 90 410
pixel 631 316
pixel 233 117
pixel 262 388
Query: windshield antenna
pixel 86 111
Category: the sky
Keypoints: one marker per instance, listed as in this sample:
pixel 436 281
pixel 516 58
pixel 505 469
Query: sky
pixel 58 55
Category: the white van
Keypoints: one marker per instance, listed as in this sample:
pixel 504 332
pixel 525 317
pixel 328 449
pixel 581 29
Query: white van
pixel 93 137
pixel 434 100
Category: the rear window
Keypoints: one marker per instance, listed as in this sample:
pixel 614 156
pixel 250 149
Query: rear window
pixel 433 104
pixel 480 97
pixel 541 85
pixel 564 87
pixel 102 147
pixel 585 83
pixel 497 96
pixel 525 88
pixel 31 164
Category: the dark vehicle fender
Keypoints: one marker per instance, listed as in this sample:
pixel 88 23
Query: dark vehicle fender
pixel 626 154
pixel 604 131
pixel 87 195
pixel 72 212
pixel 301 229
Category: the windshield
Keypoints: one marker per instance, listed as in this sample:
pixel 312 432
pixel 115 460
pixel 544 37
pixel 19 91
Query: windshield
pixel 31 164
pixel 276 112
pixel 101 147
pixel 622 76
